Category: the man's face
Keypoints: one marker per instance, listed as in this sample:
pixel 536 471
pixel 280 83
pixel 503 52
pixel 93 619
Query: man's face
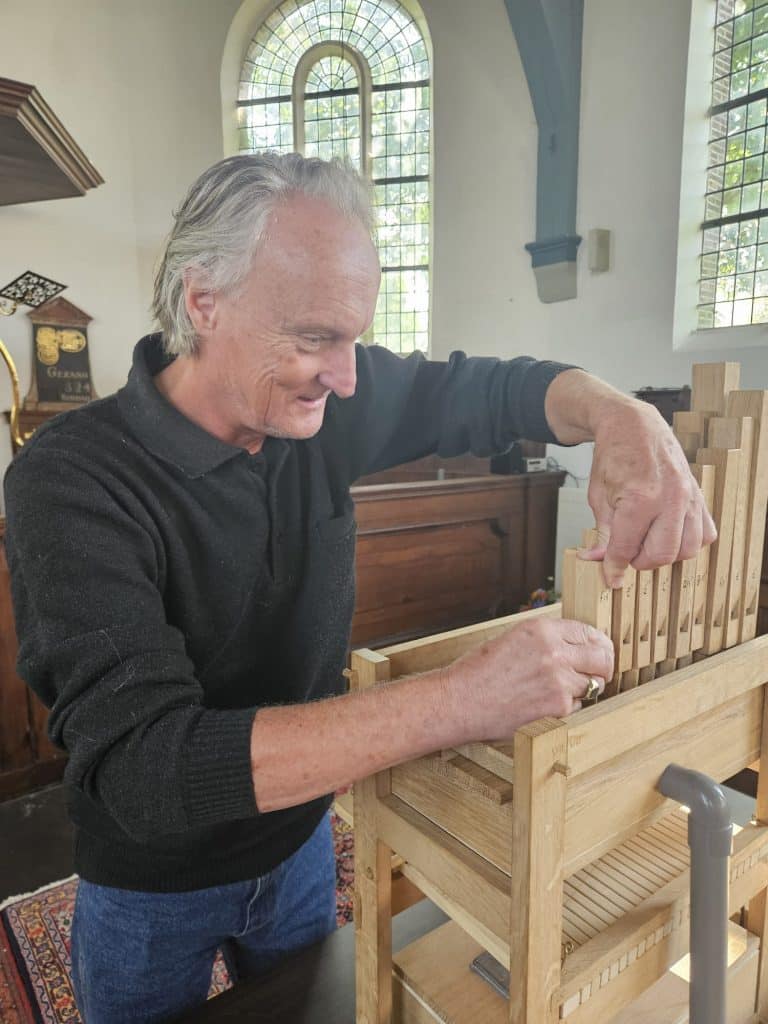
pixel 285 339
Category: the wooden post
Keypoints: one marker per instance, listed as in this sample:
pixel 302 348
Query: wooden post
pixel 643 621
pixel 705 476
pixel 623 630
pixel 757 915
pixel 585 595
pixel 754 404
pixel 733 432
pixel 538 822
pixel 726 462
pixel 373 876
pixel 691 423
pixel 690 443
pixel 712 383
pixel 662 580
pixel 681 607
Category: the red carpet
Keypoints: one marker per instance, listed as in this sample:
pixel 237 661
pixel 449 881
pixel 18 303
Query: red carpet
pixel 34 945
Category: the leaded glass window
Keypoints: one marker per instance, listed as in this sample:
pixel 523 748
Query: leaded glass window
pixel 334 77
pixel 733 288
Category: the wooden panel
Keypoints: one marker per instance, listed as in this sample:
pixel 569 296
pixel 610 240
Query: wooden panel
pixel 472 778
pixel 618 798
pixel 762 610
pixel 755 405
pixel 737 432
pixel 434 972
pixel 436 501
pixel 600 733
pixel 488 829
pixel 727 463
pixel 540 531
pixel 467 887
pixel 436 555
pixel 16 749
pixel 417 580
pixel 435 651
pixel 28 759
pixel 712 383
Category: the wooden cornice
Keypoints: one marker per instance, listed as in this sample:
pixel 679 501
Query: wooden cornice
pixel 39 159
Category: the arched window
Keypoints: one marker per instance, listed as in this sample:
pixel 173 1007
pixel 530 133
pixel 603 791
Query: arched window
pixel 733 286
pixel 351 77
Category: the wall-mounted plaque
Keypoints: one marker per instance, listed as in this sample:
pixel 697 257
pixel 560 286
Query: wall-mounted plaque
pixel 61 368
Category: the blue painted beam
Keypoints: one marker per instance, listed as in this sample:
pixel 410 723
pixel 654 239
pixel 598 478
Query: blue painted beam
pixel 548 34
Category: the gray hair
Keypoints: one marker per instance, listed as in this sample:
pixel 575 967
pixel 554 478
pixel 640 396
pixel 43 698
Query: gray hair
pixel 219 225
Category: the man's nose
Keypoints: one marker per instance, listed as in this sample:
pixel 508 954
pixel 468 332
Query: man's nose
pixel 340 372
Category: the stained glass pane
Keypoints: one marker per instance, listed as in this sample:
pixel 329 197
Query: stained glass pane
pixel 266 126
pixel 332 110
pixel 382 31
pixel 402 313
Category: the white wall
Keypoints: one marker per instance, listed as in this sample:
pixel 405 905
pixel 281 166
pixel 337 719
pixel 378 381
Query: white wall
pixel 484 193
pixel 138 85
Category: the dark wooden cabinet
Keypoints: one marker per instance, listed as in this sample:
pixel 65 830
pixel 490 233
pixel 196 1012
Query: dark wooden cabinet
pixel 437 554
pixel 28 759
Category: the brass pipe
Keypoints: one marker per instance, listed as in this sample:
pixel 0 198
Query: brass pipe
pixel 16 435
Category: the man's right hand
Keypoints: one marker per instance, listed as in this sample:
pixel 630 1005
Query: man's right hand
pixel 537 669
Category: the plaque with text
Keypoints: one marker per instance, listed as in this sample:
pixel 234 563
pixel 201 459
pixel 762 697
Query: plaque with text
pixel 61 367
pixel 61 364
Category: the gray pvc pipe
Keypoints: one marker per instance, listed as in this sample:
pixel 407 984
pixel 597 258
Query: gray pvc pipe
pixel 709 837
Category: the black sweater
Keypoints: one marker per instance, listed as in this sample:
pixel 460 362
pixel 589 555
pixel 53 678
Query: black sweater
pixel 166 585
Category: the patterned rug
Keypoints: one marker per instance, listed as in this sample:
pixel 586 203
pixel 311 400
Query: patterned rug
pixel 35 986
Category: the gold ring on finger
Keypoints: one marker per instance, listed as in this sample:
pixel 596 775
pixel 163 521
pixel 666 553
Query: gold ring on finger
pixel 592 690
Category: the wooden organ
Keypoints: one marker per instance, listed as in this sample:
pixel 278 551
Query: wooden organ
pixel 555 853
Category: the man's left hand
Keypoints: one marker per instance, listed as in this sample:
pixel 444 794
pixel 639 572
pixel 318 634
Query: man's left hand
pixel 648 507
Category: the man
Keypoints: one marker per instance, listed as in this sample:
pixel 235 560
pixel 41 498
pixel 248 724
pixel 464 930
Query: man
pixel 182 563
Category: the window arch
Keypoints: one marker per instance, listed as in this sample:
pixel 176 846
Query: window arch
pixel 351 77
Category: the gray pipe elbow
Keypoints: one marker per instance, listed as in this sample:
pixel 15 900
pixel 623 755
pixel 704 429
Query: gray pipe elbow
pixel 709 822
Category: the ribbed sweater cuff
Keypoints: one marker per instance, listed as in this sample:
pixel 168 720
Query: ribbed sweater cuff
pixel 219 786
pixel 537 381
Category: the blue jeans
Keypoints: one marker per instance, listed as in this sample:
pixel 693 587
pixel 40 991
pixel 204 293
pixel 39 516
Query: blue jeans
pixel 139 956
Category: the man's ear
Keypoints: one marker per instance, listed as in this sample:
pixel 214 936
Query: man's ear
pixel 200 301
